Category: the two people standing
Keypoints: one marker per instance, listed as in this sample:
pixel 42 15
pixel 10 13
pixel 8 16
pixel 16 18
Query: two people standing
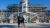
pixel 21 21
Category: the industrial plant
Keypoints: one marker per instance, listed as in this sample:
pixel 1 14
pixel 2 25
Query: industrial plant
pixel 32 13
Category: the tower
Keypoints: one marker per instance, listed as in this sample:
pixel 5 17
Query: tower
pixel 24 5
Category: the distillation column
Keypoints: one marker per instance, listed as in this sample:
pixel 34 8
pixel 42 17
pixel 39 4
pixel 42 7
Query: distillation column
pixel 24 7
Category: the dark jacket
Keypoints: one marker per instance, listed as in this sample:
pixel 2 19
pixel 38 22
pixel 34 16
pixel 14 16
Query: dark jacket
pixel 20 18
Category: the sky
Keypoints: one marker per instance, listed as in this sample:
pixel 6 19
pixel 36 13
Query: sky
pixel 5 3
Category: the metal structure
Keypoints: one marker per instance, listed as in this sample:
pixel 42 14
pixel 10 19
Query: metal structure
pixel 24 5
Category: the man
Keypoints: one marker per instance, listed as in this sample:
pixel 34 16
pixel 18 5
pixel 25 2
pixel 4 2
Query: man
pixel 20 20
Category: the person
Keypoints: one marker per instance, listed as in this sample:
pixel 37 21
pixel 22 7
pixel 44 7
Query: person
pixel 20 20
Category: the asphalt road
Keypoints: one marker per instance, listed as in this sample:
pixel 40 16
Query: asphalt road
pixel 34 26
pixel 14 26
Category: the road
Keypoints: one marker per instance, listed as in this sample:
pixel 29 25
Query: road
pixel 27 26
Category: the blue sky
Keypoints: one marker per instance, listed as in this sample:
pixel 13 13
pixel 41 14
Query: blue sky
pixel 4 3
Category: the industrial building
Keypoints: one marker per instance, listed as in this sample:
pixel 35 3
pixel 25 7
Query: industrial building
pixel 36 12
